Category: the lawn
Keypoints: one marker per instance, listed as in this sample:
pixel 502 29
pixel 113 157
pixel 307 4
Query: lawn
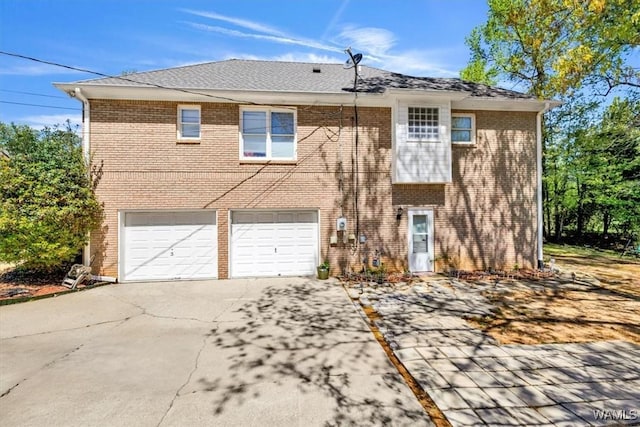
pixel 595 296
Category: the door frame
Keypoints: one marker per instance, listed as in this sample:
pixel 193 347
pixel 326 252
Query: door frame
pixel 430 233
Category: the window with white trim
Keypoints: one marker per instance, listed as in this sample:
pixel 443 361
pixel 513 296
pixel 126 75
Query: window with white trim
pixel 463 129
pixel 267 133
pixel 423 124
pixel 188 122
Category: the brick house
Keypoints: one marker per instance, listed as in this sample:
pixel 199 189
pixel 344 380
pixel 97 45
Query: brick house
pixel 258 168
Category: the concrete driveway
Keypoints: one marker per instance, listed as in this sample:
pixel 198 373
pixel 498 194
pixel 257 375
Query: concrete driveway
pixel 230 352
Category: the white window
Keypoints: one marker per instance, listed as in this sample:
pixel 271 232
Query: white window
pixel 267 133
pixel 423 124
pixel 463 128
pixel 188 122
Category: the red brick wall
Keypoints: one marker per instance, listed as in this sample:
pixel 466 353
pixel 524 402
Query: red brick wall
pixel 485 218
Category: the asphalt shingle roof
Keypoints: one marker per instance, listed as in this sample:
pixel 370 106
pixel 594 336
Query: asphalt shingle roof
pixel 252 75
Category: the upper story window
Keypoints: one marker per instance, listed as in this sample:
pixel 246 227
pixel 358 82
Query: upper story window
pixel 463 129
pixel 188 122
pixel 423 124
pixel 267 133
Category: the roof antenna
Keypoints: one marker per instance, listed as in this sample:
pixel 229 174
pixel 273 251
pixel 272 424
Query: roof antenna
pixel 353 60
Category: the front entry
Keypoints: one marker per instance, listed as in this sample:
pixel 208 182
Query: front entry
pixel 420 240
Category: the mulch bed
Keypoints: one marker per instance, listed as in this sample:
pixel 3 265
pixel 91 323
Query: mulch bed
pixel 18 285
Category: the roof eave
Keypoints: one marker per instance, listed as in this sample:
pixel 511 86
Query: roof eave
pixel 118 92
pixel 504 104
pixel 461 100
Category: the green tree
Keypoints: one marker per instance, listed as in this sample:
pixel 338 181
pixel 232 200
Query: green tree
pixel 564 181
pixel 478 69
pixel 613 167
pixel 47 203
pixel 553 47
pixel 593 169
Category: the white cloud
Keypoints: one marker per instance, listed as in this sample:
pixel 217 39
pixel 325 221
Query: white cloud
pixel 375 41
pixel 276 39
pixel 417 62
pixel 244 23
pixel 289 57
pixel 42 120
pixel 334 19
pixel 308 57
pixel 379 45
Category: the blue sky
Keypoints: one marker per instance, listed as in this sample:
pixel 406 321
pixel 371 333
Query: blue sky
pixel 417 37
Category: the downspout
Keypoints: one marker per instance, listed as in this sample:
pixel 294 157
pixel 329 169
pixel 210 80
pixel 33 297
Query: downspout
pixel 86 151
pixel 539 183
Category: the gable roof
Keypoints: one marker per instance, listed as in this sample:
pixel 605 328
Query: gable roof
pixel 299 77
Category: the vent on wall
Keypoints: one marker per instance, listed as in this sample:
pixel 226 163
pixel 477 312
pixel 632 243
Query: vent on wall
pixel 316 69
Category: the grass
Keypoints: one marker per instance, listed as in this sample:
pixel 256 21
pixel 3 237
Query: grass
pixel 555 249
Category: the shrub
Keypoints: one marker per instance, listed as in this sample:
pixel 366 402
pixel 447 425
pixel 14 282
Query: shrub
pixel 47 203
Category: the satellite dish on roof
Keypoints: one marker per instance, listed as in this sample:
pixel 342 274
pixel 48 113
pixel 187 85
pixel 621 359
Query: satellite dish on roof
pixel 353 60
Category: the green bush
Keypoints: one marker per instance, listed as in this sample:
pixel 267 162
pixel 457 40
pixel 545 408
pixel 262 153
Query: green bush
pixel 47 203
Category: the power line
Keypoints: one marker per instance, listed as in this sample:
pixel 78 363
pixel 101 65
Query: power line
pixel 33 94
pixel 40 105
pixel 159 86
pixel 123 78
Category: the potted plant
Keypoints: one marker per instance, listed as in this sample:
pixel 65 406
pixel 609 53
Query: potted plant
pixel 323 270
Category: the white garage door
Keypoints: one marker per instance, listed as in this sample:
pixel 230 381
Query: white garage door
pixel 169 245
pixel 283 243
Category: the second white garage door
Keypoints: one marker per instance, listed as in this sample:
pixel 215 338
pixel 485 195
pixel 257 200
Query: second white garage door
pixel 274 243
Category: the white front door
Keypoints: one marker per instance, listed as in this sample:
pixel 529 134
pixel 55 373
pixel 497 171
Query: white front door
pixel 420 240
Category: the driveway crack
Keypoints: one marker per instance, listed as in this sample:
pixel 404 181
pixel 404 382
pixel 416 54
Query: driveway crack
pixel 195 368
pixel 53 362
pixel 106 322
pixel 145 312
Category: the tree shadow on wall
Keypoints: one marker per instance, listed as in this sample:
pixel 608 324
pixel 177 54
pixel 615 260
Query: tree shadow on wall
pixel 305 337
pixel 494 203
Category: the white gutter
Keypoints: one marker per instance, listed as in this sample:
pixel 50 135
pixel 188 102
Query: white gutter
pixel 86 151
pixel 539 182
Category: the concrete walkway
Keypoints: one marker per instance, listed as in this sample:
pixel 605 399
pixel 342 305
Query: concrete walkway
pixel 230 352
pixel 476 382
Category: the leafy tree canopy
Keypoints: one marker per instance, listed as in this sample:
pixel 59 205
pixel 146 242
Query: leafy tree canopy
pixel 554 47
pixel 47 203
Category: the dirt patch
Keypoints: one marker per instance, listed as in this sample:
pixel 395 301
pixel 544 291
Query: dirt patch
pixel 595 298
pixel 562 316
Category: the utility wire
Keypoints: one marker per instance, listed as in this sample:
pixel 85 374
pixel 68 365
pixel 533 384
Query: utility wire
pixel 33 94
pixel 127 79
pixel 131 80
pixel 123 78
pixel 39 105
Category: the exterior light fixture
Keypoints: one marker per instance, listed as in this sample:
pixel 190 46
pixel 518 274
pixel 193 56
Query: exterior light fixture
pixel 399 213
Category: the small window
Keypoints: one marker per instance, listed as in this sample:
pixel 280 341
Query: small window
pixel 188 122
pixel 463 129
pixel 423 124
pixel 268 133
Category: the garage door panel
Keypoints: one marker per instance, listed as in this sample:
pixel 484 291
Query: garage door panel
pixel 273 243
pixel 170 245
pixel 286 217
